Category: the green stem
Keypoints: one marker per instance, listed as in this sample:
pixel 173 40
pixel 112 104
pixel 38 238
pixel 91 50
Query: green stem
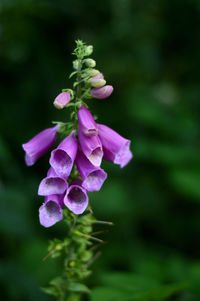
pixel 77 94
pixel 78 90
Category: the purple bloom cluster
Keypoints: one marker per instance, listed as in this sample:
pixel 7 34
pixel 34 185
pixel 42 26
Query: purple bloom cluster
pixel 86 150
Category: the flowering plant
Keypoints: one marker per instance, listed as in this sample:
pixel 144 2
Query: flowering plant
pixel 75 169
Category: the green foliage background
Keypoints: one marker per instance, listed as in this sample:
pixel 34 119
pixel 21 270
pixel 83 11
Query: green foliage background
pixel 149 51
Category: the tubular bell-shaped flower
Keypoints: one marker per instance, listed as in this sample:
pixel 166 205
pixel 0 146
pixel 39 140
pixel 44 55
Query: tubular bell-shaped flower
pixel 86 122
pixel 51 210
pixel 39 145
pixel 62 158
pixel 76 198
pixel 52 184
pixel 93 177
pixel 115 147
pixel 91 147
pixel 103 92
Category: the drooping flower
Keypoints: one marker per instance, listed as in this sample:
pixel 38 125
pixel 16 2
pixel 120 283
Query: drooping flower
pixel 115 147
pixel 62 100
pixel 86 122
pixel 51 210
pixel 93 177
pixel 103 92
pixel 52 184
pixel 76 198
pixel 62 158
pixel 39 145
pixel 91 147
pixel 97 81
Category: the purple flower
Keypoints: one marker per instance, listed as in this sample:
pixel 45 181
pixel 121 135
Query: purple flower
pixel 39 145
pixel 62 158
pixel 52 184
pixel 115 147
pixel 51 211
pixel 62 100
pixel 86 122
pixel 93 177
pixel 76 198
pixel 103 92
pixel 91 147
pixel 97 81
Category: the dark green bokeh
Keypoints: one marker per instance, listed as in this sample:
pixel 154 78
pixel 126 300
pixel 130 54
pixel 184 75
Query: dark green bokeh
pixel 149 51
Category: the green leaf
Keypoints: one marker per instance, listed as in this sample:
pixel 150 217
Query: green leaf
pixel 86 256
pixel 74 297
pixel 72 115
pixel 73 73
pixel 56 281
pixel 78 287
pixel 109 294
pixel 130 282
pixel 50 291
pixel 162 292
pixel 131 287
pixel 71 104
pixel 75 84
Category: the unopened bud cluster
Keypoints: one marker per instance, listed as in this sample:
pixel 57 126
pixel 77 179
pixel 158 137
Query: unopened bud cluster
pixel 75 164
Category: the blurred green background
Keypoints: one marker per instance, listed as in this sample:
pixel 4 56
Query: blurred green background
pixel 149 51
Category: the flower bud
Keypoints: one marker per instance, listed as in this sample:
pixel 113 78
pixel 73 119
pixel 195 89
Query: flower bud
pixel 88 50
pixel 103 92
pixel 90 63
pixel 97 81
pixel 75 64
pixel 93 72
pixel 62 100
